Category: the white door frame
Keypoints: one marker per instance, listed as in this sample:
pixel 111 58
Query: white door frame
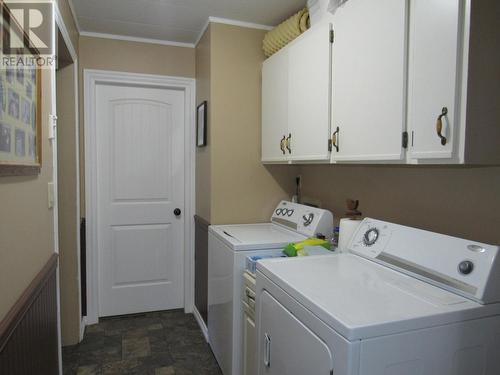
pixel 91 79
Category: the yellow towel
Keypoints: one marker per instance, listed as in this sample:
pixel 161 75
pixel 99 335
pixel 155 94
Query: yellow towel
pixel 285 32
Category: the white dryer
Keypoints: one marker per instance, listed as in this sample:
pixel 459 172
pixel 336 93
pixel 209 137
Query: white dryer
pixel 403 302
pixel 228 247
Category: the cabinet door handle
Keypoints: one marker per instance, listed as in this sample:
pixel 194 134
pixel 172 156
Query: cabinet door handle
pixel 439 125
pixel 267 353
pixel 282 145
pixel 335 140
pixel 288 143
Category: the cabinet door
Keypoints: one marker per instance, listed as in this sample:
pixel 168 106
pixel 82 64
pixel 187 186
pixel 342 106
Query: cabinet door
pixel 309 95
pixel 286 345
pixel 434 41
pixel 274 106
pixel 369 77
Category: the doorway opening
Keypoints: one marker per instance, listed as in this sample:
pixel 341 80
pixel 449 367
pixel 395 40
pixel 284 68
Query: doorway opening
pixel 68 190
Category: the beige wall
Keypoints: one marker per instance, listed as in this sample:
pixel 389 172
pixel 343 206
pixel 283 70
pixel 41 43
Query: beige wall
pixel 243 190
pixel 240 189
pixel 26 229
pixel 68 204
pixel 203 154
pixel 458 201
pixel 124 56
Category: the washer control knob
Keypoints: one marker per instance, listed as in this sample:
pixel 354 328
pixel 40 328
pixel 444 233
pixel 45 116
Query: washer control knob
pixel 465 267
pixel 308 219
pixel 371 236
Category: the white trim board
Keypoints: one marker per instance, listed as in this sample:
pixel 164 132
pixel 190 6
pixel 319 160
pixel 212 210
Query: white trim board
pixel 200 322
pixel 136 39
pixel 249 25
pixel 227 21
pixel 91 79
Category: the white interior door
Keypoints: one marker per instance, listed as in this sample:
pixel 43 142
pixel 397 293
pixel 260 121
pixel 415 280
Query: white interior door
pixel 140 171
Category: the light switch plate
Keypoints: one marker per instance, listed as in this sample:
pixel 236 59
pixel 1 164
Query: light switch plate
pixel 52 126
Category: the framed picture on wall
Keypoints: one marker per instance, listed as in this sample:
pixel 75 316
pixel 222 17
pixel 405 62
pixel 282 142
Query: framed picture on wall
pixel 201 125
pixel 20 117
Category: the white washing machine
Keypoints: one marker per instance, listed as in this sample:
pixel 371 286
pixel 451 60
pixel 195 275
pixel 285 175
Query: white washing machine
pixel 228 247
pixel 403 302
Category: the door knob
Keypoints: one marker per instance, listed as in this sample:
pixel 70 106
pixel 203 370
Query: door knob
pixel 177 212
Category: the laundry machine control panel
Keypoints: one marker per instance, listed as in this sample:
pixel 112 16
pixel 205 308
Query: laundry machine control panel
pixel 309 221
pixel 465 267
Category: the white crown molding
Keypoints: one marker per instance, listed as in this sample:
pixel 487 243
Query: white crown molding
pixel 73 12
pixel 202 32
pixel 228 21
pixel 249 25
pixel 136 39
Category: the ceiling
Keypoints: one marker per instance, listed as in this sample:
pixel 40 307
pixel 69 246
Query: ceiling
pixel 175 20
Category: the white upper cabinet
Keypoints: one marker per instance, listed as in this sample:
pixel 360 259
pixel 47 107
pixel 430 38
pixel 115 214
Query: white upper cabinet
pixel 275 107
pixel 309 95
pixel 434 76
pixel 369 77
pixel 404 81
pixel 296 99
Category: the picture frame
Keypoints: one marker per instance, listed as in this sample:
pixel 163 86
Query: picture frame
pixel 20 116
pixel 201 124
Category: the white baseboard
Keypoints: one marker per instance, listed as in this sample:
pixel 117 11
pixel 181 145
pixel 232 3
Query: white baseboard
pixel 201 323
pixel 83 324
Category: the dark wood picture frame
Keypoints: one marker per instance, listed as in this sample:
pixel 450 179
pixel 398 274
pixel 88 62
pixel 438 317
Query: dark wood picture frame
pixel 201 124
pixel 14 166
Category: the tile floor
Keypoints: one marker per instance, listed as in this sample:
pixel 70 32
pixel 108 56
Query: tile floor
pixel 159 343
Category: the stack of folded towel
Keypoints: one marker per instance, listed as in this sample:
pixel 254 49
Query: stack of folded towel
pixel 285 32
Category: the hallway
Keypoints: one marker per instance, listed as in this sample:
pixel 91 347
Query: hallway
pixel 159 343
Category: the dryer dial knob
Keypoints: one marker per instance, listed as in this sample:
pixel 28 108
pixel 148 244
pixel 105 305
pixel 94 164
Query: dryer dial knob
pixel 371 236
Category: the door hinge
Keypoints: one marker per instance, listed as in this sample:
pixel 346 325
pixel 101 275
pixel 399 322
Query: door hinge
pixel 332 36
pixel 330 148
pixel 405 140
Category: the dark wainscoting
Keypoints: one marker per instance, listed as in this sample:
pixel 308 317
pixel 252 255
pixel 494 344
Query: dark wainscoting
pixel 201 266
pixel 28 334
